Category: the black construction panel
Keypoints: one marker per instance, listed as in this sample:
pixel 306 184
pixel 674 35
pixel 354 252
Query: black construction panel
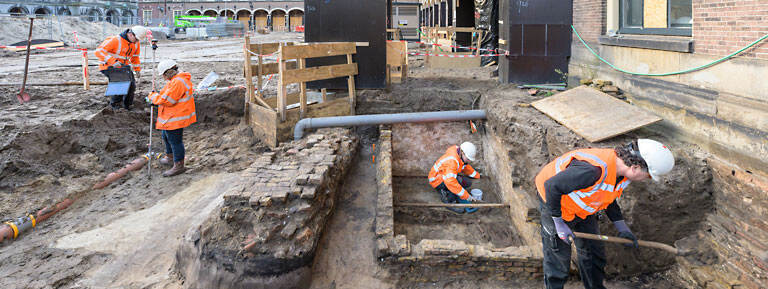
pixel 450 12
pixel 349 21
pixel 442 14
pixel 538 37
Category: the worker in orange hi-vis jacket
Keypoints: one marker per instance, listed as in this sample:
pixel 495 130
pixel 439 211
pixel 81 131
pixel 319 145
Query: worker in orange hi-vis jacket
pixel 451 173
pixel 118 60
pixel 176 111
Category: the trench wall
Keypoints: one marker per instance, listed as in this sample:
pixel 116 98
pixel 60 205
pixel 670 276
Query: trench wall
pixel 430 260
pixel 280 204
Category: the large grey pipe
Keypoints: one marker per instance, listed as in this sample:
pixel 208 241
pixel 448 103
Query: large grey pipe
pixel 373 119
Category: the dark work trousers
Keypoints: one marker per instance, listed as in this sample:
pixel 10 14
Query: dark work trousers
pixel 174 143
pixel 449 197
pixel 124 73
pixel 557 253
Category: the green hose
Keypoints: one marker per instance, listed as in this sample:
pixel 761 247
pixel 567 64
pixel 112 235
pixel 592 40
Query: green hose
pixel 668 73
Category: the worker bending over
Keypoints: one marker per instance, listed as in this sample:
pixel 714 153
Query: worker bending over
pixel 176 111
pixel 450 176
pixel 577 185
pixel 117 54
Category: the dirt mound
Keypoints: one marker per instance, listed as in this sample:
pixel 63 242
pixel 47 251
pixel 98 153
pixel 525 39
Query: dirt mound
pixel 89 34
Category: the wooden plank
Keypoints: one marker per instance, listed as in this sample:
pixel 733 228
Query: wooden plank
pixel 263 123
pixel 250 91
pixel 260 72
pixel 444 205
pixel 281 85
pixel 318 73
pixel 593 114
pixel 395 53
pixel 324 92
pixel 302 91
pixel 655 13
pixel 464 29
pixel 266 48
pixel 273 67
pixel 290 98
pixel 351 84
pixel 449 62
pixel 318 50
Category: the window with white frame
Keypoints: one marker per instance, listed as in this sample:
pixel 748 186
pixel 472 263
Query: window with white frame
pixel 660 17
pixel 146 16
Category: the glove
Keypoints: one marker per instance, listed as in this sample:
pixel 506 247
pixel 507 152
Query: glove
pixel 146 99
pixel 563 231
pixel 472 199
pixel 626 233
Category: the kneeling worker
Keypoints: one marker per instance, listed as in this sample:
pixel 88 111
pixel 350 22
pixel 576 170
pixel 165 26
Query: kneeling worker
pixel 446 179
pixel 580 183
pixel 176 111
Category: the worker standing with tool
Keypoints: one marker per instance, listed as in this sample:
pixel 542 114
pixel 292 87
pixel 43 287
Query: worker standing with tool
pixel 577 185
pixel 450 176
pixel 117 55
pixel 176 111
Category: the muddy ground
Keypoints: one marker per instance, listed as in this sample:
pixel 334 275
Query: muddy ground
pixel 124 235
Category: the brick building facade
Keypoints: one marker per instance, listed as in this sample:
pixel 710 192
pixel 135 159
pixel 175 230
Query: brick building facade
pixel 276 15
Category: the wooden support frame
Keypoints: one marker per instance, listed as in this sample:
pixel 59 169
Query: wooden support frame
pixel 396 34
pixel 271 119
pixel 397 59
pixel 447 36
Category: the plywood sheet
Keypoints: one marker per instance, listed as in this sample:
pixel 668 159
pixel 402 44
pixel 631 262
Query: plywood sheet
pixel 655 13
pixel 593 114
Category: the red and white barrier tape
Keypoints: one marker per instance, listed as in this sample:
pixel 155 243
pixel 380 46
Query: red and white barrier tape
pixel 443 45
pixel 453 55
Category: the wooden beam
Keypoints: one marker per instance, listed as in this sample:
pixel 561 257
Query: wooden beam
pixel 317 73
pixel 260 72
pixel 281 84
pixel 302 91
pixel 272 68
pixel 351 85
pixel 266 48
pixel 438 205
pixel 250 97
pixel 317 50
pixel 324 92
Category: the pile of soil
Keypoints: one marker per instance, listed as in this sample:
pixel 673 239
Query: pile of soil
pixel 89 34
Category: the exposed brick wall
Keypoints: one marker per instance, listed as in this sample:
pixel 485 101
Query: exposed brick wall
pixel 589 19
pixel 722 27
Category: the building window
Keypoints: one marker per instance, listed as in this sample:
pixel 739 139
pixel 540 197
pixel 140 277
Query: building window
pixel 660 17
pixel 177 13
pixel 146 16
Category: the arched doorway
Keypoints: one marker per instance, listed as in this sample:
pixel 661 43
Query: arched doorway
pixel 295 18
pixel 113 17
pixel 193 13
pixel 228 13
pixel 42 11
pixel 94 15
pixel 211 13
pixel 260 19
pixel 17 11
pixel 64 11
pixel 278 20
pixel 244 16
pixel 127 18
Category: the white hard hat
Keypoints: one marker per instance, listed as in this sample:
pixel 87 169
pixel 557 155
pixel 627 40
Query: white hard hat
pixel 140 32
pixel 165 65
pixel 657 156
pixel 469 150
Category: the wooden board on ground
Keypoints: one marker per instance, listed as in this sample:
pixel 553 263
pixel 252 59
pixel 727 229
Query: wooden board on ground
pixel 453 62
pixel 593 114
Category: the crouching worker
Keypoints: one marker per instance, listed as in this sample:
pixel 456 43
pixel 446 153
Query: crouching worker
pixel 577 185
pixel 176 111
pixel 451 174
pixel 119 61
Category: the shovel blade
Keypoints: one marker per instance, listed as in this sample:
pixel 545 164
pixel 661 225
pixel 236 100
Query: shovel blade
pixel 23 97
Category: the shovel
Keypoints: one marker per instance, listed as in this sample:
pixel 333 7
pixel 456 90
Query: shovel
pixel 650 244
pixel 23 96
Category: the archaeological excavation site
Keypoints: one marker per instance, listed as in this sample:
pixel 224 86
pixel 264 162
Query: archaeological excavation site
pixel 395 144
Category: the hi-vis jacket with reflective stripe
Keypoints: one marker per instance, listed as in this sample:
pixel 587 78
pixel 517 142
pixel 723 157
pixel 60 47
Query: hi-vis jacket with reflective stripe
pixel 116 48
pixel 447 168
pixel 590 200
pixel 177 105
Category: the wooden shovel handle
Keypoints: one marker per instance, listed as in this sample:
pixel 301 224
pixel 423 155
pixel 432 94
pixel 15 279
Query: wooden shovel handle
pixel 605 238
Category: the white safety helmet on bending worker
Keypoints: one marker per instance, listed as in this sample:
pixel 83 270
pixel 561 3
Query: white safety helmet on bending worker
pixel 469 150
pixel 140 32
pixel 165 65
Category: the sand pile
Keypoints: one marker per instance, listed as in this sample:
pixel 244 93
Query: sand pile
pixel 89 34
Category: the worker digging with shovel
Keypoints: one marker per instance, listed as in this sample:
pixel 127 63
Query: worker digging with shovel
pixel 577 185
pixel 118 60
pixel 176 110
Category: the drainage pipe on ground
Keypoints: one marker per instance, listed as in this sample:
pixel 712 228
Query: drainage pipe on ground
pixel 12 229
pixel 375 119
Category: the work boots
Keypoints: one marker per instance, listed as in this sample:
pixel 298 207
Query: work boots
pixel 178 168
pixel 167 160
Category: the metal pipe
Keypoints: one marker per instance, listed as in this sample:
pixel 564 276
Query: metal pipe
pixel 14 228
pixel 373 119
